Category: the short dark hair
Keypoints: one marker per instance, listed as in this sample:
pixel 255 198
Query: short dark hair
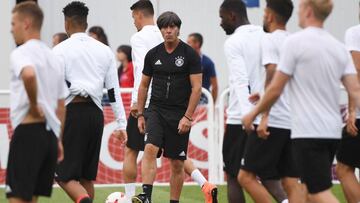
pixel 168 18
pixel 62 36
pixel 145 6
pixel 77 12
pixel 32 10
pixel 198 37
pixel 236 6
pixel 283 9
pixel 100 33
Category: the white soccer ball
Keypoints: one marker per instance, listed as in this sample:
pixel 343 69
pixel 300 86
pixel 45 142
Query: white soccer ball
pixel 116 197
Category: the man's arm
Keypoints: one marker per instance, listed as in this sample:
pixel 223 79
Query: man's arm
pixel 350 124
pixel 272 93
pixel 138 51
pixel 214 87
pixel 112 86
pixel 262 128
pixel 142 95
pixel 196 84
pixel 28 77
pixel 60 112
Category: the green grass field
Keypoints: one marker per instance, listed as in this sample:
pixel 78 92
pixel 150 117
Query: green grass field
pixel 190 194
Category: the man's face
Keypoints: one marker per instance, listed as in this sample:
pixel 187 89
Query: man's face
pixel 137 16
pixel 192 42
pixel 226 21
pixel 170 33
pixel 18 27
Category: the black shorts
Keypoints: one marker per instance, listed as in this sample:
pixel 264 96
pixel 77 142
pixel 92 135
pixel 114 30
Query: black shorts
pixel 270 158
pixel 162 131
pixel 32 162
pixel 135 138
pixel 349 148
pixel 314 158
pixel 83 131
pixel 233 148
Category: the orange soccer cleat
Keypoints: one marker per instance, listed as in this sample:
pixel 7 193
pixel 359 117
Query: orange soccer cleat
pixel 210 192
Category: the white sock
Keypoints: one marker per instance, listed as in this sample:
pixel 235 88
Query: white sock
pixel 285 201
pixel 129 191
pixel 198 177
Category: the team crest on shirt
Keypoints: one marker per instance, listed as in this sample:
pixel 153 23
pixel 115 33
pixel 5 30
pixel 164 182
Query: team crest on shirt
pixel 179 61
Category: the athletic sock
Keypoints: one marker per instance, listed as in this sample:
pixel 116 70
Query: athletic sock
pixel 174 201
pixel 84 199
pixel 198 177
pixel 147 189
pixel 285 201
pixel 129 190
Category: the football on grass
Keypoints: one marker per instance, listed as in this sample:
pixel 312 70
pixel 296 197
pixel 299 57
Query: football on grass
pixel 116 197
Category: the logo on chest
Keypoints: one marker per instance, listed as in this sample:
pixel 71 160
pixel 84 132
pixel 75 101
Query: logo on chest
pixel 179 61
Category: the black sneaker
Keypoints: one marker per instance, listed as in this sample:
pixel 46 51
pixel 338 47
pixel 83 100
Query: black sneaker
pixel 140 198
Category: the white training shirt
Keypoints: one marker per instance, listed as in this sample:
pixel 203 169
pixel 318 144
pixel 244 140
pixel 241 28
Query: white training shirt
pixel 89 65
pixel 141 42
pixel 243 55
pixel 279 116
pixel 352 42
pixel 316 62
pixel 49 78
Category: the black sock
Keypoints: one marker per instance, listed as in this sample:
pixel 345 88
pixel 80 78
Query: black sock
pixel 147 189
pixel 174 201
pixel 86 200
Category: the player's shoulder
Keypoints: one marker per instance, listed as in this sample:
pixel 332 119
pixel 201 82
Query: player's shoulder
pixel 160 48
pixel 353 31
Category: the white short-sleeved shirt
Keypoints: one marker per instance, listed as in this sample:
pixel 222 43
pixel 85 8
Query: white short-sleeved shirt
pixel 271 45
pixel 352 42
pixel 246 74
pixel 141 42
pixel 316 62
pixel 89 66
pixel 49 78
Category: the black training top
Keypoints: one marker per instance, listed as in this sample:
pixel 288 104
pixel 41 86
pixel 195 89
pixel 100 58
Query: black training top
pixel 170 74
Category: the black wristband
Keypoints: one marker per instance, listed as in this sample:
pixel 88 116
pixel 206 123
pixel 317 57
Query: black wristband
pixel 190 119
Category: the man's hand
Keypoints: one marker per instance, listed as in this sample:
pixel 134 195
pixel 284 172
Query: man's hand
pixel 247 122
pixel 134 110
pixel 184 125
pixel 60 151
pixel 254 98
pixel 121 135
pixel 141 124
pixel 262 128
pixel 36 111
pixel 351 125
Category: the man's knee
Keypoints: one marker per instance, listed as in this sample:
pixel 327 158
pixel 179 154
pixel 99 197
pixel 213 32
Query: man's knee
pixel 150 151
pixel 177 166
pixel 131 154
pixel 342 170
pixel 245 177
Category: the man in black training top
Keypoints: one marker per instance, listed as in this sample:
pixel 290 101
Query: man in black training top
pixel 175 71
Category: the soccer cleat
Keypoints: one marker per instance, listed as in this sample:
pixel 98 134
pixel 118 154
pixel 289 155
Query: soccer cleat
pixel 140 198
pixel 210 192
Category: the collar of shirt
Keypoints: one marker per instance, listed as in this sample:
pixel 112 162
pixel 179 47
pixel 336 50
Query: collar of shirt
pixel 79 35
pixel 246 27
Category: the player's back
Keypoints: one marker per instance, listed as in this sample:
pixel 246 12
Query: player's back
pixel 87 62
pixel 49 78
pixel 317 64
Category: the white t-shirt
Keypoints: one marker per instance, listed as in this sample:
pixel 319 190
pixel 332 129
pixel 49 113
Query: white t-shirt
pixel 280 113
pixel 352 42
pixel 316 62
pixel 89 65
pixel 141 42
pixel 49 78
pixel 243 55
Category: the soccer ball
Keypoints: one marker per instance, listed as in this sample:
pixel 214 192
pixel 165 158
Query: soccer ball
pixel 116 197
